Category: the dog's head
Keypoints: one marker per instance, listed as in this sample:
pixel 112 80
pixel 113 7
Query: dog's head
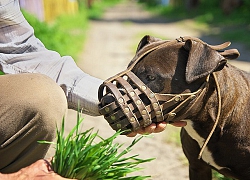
pixel 161 71
pixel 180 66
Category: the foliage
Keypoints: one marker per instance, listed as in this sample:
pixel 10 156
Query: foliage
pixel 207 11
pixel 99 7
pixel 233 26
pixel 150 2
pixel 65 35
pixel 79 155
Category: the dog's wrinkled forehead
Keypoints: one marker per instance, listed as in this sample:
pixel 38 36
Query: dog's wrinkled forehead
pixel 202 60
pixel 149 43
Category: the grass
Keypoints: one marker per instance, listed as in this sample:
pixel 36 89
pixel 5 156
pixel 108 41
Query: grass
pixel 86 155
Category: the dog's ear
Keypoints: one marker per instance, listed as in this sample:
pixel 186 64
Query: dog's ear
pixel 202 60
pixel 145 41
pixel 230 54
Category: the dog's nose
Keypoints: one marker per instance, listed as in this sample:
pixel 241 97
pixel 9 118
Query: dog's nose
pixel 107 99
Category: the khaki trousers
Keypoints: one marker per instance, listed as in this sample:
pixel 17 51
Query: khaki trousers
pixel 30 107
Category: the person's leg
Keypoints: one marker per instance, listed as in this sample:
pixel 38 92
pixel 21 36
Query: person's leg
pixel 30 106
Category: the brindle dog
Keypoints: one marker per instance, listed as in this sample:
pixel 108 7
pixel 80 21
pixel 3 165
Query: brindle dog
pixel 216 134
pixel 182 67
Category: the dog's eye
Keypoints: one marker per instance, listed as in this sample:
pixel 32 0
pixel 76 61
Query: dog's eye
pixel 150 77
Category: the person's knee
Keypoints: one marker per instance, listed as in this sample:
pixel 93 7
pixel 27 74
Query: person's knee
pixel 36 98
pixel 50 102
pixel 31 105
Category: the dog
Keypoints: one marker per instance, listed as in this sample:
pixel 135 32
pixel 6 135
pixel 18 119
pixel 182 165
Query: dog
pixel 214 119
pixel 182 67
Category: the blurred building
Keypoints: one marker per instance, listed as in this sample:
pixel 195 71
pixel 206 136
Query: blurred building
pixel 48 10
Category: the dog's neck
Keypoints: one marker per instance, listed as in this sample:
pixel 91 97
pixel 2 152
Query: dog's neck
pixel 232 97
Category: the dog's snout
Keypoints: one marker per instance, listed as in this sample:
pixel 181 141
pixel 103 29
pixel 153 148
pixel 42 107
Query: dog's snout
pixel 107 99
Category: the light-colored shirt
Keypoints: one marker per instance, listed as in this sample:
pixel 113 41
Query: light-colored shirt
pixel 22 52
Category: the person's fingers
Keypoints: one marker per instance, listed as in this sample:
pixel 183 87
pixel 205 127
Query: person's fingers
pixel 152 128
pixel 45 164
pixel 132 134
pixel 160 127
pixel 48 164
pixel 149 129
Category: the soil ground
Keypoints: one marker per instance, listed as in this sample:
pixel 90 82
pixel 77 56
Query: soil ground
pixel 110 45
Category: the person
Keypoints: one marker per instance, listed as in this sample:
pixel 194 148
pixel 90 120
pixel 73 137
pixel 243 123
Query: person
pixel 37 89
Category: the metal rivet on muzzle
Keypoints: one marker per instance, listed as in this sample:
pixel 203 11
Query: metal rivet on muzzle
pixel 120 100
pixel 132 93
pixel 113 117
pixel 132 119
pixel 119 126
pixel 143 88
pixel 126 110
pixel 147 122
pixel 177 98
pixel 158 112
pixel 138 102
pixel 155 105
pixel 125 77
pixel 151 95
pixel 144 112
pixel 107 109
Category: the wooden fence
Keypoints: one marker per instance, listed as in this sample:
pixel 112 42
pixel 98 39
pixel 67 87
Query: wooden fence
pixel 48 10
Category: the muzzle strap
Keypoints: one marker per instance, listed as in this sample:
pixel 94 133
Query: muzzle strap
pixel 150 94
pixel 136 105
pixel 124 107
pixel 137 101
pixel 171 115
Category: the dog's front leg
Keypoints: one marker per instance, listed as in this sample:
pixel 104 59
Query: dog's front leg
pixel 201 172
pixel 198 169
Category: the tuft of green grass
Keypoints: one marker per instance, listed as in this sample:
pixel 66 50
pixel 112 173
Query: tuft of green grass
pixel 80 156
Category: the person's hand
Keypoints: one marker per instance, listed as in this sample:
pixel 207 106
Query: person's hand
pixel 40 170
pixel 152 128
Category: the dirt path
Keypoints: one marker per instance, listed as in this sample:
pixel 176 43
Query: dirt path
pixel 109 48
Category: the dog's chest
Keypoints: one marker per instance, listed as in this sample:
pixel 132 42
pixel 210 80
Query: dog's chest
pixel 206 155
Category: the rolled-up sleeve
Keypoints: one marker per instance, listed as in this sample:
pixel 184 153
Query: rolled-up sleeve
pixel 22 52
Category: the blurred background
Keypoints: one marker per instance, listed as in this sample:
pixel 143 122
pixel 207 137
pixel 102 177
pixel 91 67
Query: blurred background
pixel 228 19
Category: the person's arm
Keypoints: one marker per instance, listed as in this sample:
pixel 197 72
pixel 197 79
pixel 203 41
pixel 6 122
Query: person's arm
pixel 22 52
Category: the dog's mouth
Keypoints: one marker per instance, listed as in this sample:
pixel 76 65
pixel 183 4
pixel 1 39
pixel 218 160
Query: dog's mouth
pixel 109 98
pixel 178 123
